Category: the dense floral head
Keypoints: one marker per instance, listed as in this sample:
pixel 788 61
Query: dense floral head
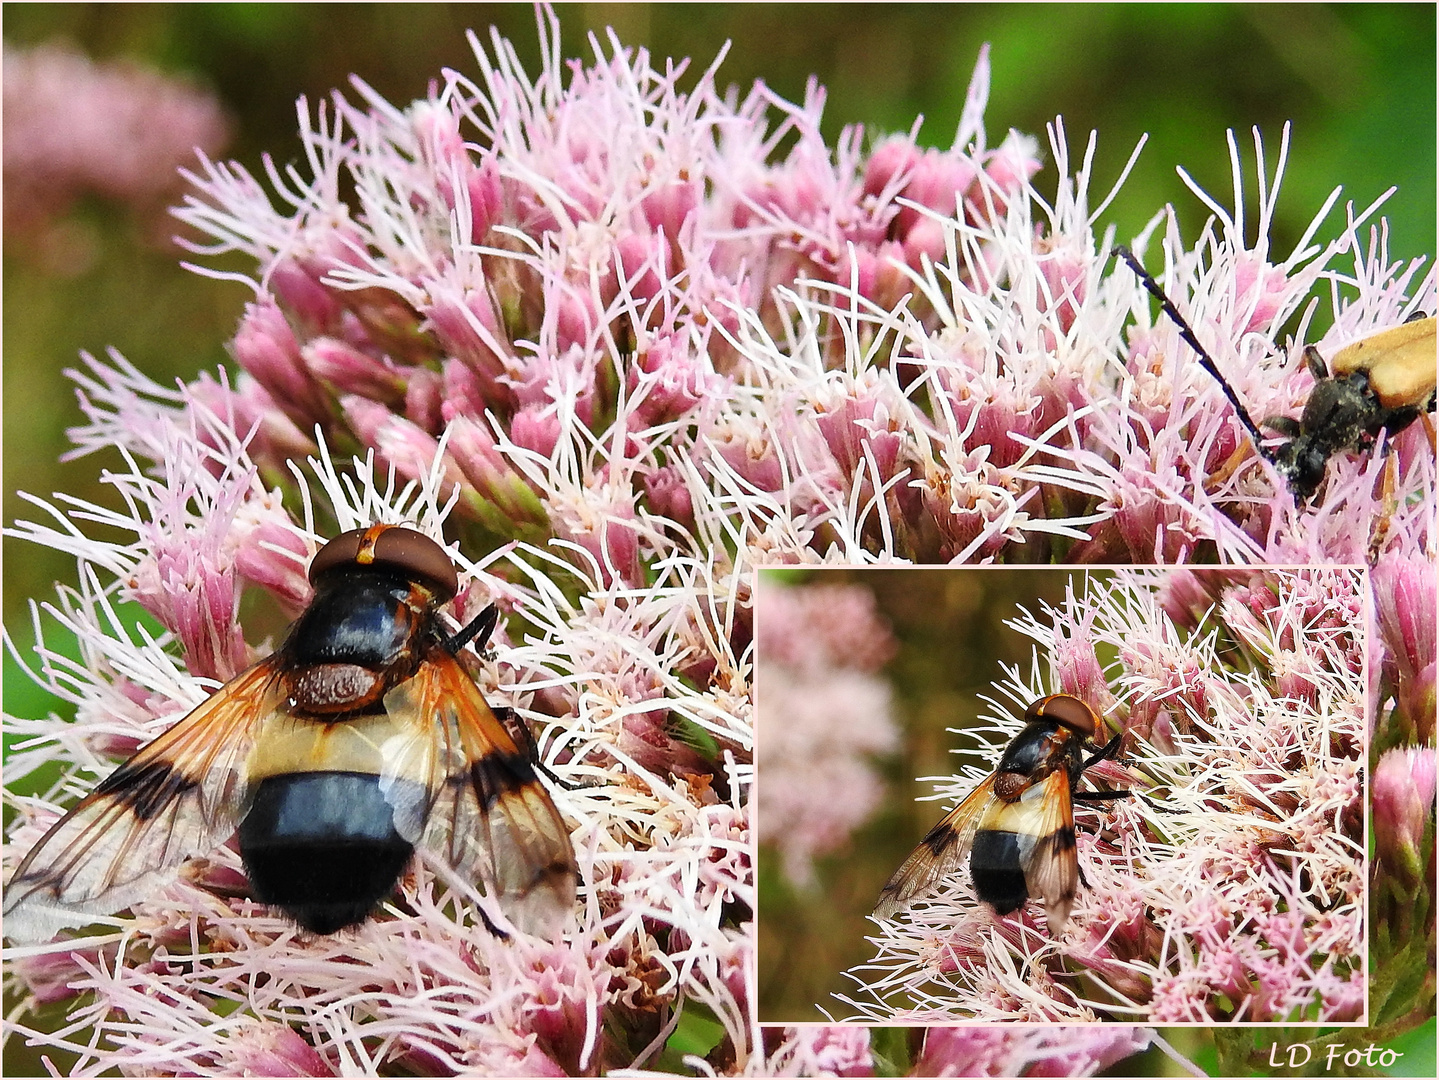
pixel 1230 886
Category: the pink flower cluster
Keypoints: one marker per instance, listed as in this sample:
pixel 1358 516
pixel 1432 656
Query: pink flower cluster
pixel 825 713
pixel 834 1050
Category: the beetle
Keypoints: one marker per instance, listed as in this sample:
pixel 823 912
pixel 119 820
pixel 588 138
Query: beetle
pixel 1378 385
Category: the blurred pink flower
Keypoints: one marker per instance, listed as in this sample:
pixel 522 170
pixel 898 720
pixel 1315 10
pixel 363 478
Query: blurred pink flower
pixel 984 1051
pixel 116 129
pixel 825 715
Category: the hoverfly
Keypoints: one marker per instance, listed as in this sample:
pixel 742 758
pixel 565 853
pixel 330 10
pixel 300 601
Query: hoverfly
pixel 358 741
pixel 1017 826
pixel 1382 383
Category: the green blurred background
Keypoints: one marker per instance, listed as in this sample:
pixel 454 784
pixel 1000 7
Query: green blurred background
pixel 1357 81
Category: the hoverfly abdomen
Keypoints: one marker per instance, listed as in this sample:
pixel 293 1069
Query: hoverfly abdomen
pixel 994 866
pixel 323 846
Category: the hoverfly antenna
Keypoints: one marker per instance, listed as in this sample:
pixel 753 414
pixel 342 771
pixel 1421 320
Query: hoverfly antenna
pixel 1187 333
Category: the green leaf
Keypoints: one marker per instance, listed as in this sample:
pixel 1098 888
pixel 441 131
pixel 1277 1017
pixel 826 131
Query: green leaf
pixel 889 1047
pixel 698 1032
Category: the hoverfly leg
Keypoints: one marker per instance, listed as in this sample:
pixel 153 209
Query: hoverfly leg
pixel 489 924
pixel 520 732
pixel 1100 796
pixel 479 630
pixel 1109 750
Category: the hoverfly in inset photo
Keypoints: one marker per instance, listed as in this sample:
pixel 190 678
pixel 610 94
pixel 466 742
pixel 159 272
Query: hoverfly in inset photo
pixel 1379 385
pixel 360 741
pixel 1017 826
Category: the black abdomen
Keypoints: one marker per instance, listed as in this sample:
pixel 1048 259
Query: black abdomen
pixel 323 847
pixel 994 866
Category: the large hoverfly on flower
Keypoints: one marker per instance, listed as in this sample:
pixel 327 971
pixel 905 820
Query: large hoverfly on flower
pixel 358 742
pixel 1017 826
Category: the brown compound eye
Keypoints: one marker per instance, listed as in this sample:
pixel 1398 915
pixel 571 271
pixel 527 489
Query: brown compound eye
pixel 1064 709
pixel 394 547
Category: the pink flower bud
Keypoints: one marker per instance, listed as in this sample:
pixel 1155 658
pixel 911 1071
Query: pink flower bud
pixel 746 448
pixel 248 407
pixel 1261 284
pixel 269 552
pixel 641 260
pixel 536 428
pixel 668 495
pixel 510 502
pixel 878 277
pixel 576 318
pixel 303 294
pixel 1066 275
pixel 668 206
pixel 424 399
pixel 937 181
pixel 265 346
pixel 49 975
pixel 1007 169
pixel 1403 808
pixel 469 329
pixel 889 165
pixel 486 199
pixel 668 378
pixel 398 442
pixel 187 580
pixel 265 1048
pixel 602 521
pixel 464 391
pixel 350 371
pixel 926 237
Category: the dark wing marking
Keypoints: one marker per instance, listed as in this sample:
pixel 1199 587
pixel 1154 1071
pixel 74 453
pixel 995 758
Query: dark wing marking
pixel 489 818
pixel 939 853
pixel 1052 872
pixel 179 796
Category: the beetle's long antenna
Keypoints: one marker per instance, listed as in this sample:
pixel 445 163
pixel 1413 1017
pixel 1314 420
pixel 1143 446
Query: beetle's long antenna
pixel 1187 333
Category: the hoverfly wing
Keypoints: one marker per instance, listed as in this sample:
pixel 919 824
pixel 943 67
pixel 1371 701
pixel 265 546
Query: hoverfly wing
pixel 179 796
pixel 938 854
pixel 1043 819
pixel 487 817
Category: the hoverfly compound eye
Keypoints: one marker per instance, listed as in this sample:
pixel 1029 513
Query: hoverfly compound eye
pixel 394 547
pixel 1064 709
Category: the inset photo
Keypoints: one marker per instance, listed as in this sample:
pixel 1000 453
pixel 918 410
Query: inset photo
pixel 1065 796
